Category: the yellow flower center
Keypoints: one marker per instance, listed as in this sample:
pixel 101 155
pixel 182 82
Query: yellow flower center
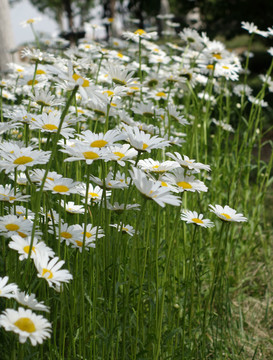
pixel 92 194
pixel 225 67
pixel 125 229
pixel 210 67
pixel 156 167
pixel 226 216
pixel 22 160
pixel 12 227
pixel 60 188
pixel 50 127
pixel 27 248
pixel 40 72
pixel 144 146
pixel 30 21
pixel 99 143
pixel 90 155
pixel 119 154
pixel 108 92
pixel 25 324
pixel 79 243
pixel 217 56
pixel 140 32
pixel 23 235
pixel 184 185
pixel 66 235
pixel 76 77
pixel 197 221
pixel 120 55
pixel 161 93
pixel 31 81
pixel 46 271
pixel 163 183
pixel 88 234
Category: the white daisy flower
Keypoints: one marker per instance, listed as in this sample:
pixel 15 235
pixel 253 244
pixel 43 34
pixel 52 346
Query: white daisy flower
pixel 21 211
pixel 14 225
pixel 149 110
pixel 192 38
pixel 101 109
pixel 82 151
pixel 120 181
pixel 151 165
pixel 92 232
pixel 101 140
pixel 184 182
pixel 72 208
pixel 123 153
pixel 139 34
pixel 188 163
pixel 21 178
pixel 50 123
pixel 226 213
pixel 30 301
pixel 257 102
pixel 126 229
pixel 192 217
pixel 91 235
pixel 37 175
pixel 7 194
pixel 94 193
pixel 153 190
pixel 26 324
pixel 7 290
pixel 143 142
pixel 22 246
pixel 252 28
pixel 49 269
pixel 223 125
pixel 63 186
pixel 30 21
pixel 116 92
pixel 120 76
pixel 44 98
pixel 228 70
pixel 68 233
pixel 21 158
pixel 158 94
pixel 242 89
pixel 175 115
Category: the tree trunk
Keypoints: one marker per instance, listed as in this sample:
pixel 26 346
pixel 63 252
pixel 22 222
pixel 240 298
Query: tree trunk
pixel 69 15
pixel 164 9
pixel 6 35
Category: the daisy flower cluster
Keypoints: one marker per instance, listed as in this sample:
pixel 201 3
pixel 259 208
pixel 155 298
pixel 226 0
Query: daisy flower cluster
pixel 88 137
